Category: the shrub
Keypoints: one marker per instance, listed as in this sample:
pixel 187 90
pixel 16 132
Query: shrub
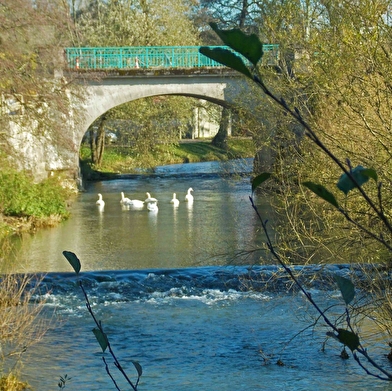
pixel 12 383
pixel 20 197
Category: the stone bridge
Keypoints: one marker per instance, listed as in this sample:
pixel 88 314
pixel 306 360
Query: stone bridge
pixel 223 89
pixel 44 157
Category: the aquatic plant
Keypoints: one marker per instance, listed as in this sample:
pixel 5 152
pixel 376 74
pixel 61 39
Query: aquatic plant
pixel 101 335
pixel 352 178
pixel 63 381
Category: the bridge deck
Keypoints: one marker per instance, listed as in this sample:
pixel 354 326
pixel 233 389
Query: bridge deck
pixel 149 57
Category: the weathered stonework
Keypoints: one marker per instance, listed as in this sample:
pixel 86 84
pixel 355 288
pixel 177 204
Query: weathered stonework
pixel 44 156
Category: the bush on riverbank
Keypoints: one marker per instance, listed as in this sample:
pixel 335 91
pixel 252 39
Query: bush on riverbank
pixel 121 159
pixel 12 383
pixel 25 206
pixel 20 323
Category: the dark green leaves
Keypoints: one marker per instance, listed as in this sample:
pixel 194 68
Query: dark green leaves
pixel 226 57
pixel 360 174
pixel 247 45
pixel 348 338
pixel 259 179
pixel 138 367
pixel 322 192
pixel 73 260
pixel 346 288
pixel 101 338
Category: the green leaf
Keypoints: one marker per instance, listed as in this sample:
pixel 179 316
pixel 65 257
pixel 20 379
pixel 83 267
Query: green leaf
pixel 73 260
pixel 371 173
pixel 101 338
pixel 360 174
pixel 259 179
pixel 138 367
pixel 247 45
pixel 348 338
pixel 322 192
pixel 226 57
pixel 346 288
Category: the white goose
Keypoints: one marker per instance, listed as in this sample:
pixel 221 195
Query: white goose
pixel 152 206
pixel 100 202
pixel 175 201
pixel 150 199
pixel 133 203
pixel 189 196
pixel 124 200
pixel 137 204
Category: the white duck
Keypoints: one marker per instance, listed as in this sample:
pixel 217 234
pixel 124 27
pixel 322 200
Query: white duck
pixel 175 201
pixel 189 196
pixel 150 199
pixel 100 202
pixel 152 206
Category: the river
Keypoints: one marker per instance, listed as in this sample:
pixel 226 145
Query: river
pixel 172 289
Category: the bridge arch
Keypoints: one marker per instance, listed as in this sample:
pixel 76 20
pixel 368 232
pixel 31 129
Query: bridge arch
pixel 113 91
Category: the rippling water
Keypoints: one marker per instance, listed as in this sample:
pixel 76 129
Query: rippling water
pixel 194 329
pixel 171 295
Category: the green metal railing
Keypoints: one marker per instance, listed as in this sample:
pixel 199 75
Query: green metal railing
pixel 101 58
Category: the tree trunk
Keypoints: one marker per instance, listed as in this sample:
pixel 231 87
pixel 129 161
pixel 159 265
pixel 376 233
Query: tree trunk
pixel 220 139
pixel 97 143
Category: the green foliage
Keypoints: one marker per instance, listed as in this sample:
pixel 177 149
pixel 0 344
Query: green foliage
pixel 20 197
pixel 73 260
pixel 12 383
pixel 349 339
pixel 360 175
pixel 260 179
pixel 354 178
pixel 235 38
pixel 119 159
pixel 227 58
pixel 346 288
pixel 101 337
pixel 138 367
pixel 136 23
pixel 322 192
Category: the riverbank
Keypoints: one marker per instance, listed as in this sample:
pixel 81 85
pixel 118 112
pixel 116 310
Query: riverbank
pixel 121 160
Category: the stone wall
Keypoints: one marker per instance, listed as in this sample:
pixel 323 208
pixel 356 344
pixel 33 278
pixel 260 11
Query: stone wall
pixel 40 154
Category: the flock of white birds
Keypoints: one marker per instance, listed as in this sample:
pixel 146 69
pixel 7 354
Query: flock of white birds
pixel 150 202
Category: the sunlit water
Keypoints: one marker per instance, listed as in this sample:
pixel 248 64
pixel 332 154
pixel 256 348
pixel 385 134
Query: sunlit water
pixel 219 223
pixel 172 295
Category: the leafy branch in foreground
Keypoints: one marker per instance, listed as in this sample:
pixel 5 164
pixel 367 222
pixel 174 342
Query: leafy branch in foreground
pixel 347 336
pixel 352 178
pixel 100 334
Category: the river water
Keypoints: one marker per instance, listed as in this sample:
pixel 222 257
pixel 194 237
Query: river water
pixel 173 292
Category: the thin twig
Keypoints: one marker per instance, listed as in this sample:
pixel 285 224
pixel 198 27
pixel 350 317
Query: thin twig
pixel 99 325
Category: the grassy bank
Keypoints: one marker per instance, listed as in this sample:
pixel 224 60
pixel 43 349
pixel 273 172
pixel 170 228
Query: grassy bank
pixel 123 160
pixel 26 206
